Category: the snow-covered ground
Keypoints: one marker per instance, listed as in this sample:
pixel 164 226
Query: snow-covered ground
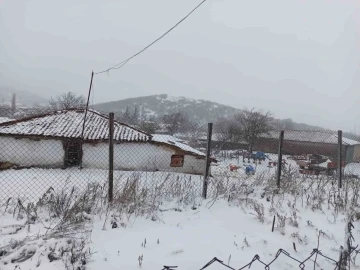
pixel 162 220
pixel 191 238
pixel 30 184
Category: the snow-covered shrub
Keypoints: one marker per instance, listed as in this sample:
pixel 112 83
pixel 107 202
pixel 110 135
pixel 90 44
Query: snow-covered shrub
pixel 64 221
pixel 281 223
pixel 259 211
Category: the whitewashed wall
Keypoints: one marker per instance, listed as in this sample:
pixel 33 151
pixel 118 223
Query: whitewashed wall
pixel 30 152
pixel 138 156
pixel 127 156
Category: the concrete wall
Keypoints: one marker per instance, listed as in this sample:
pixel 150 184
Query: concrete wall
pixel 137 157
pixel 31 152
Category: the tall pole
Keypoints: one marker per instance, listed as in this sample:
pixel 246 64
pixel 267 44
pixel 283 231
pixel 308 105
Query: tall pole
pixel 85 114
pixel 340 159
pixel 111 156
pixel 208 160
pixel 279 165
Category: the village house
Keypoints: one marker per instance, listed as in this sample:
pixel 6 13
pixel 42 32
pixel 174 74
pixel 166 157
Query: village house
pixel 55 140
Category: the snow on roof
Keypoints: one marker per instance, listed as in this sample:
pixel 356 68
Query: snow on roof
pixel 330 137
pixel 171 140
pixel 4 119
pixel 69 123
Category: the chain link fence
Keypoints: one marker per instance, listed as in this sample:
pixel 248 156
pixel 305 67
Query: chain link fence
pixel 55 149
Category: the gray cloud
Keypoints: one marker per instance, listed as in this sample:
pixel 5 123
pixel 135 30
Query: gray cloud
pixel 297 58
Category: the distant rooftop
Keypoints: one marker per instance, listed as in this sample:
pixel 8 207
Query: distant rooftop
pixel 330 137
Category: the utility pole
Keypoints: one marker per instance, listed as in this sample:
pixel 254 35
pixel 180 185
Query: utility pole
pixel 111 156
pixel 208 160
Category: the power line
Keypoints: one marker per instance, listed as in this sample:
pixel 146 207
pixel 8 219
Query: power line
pixel 121 64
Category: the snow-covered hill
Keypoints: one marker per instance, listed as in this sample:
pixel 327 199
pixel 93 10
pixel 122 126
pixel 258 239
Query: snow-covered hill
pixel 198 110
pixel 159 105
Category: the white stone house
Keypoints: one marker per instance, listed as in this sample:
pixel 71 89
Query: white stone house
pixel 54 140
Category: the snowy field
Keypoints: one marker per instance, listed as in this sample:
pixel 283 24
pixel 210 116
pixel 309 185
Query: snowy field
pixel 30 184
pixel 160 219
pixel 191 238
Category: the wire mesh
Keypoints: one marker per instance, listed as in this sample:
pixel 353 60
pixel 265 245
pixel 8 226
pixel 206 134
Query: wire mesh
pixel 43 149
pixel 47 151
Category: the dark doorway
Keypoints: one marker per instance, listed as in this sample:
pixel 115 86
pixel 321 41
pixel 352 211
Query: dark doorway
pixel 73 153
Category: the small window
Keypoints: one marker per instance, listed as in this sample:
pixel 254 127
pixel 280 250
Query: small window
pixel 177 161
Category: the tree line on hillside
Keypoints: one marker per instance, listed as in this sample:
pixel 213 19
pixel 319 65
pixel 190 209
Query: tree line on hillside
pixel 245 126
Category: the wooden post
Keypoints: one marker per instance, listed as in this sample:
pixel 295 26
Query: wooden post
pixel 208 160
pixel 279 165
pixel 339 158
pixel 273 225
pixel 111 156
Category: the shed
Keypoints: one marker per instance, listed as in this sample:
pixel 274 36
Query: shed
pixel 312 142
pixel 55 140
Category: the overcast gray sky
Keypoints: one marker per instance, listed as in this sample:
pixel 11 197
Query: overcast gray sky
pixel 297 58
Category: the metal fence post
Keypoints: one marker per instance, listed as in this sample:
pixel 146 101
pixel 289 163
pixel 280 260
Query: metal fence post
pixel 279 165
pixel 208 160
pixel 340 159
pixel 111 156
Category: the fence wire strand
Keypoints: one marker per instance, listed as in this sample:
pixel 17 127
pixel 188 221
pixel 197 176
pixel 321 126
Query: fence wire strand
pixel 256 258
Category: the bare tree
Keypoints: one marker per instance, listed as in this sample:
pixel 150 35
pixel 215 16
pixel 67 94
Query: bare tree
pixel 228 130
pixel 175 122
pixel 148 126
pixel 253 123
pixel 67 101
pixel 221 129
pixel 196 131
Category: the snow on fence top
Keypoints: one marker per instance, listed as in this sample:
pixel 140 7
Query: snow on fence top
pixel 69 123
pixel 178 143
